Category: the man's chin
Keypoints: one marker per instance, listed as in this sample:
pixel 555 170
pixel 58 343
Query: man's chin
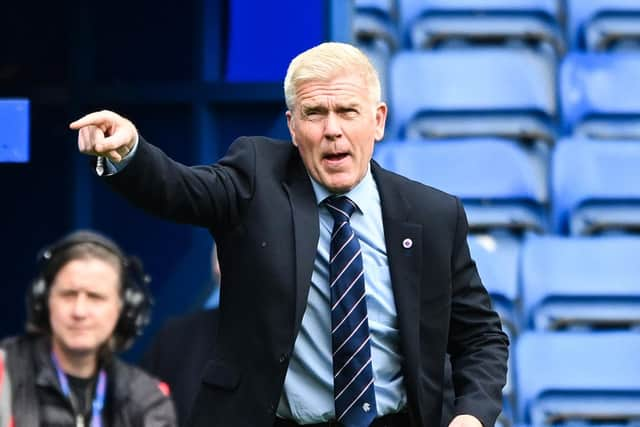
pixel 339 185
pixel 339 188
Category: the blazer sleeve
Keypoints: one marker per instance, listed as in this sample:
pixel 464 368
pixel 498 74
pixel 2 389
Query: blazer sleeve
pixel 477 344
pixel 199 195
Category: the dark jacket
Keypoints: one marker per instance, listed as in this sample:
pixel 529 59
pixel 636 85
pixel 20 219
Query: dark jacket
pixel 134 399
pixel 179 353
pixel 259 204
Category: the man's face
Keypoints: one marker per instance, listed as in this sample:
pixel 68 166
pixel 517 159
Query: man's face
pixel 334 125
pixel 84 305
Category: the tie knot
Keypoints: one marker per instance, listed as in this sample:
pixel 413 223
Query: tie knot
pixel 341 207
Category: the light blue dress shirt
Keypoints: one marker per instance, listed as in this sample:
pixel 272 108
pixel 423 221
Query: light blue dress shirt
pixel 308 388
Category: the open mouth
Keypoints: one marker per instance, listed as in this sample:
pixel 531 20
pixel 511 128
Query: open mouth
pixel 335 157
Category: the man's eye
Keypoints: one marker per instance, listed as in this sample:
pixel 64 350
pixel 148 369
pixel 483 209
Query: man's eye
pixel 313 115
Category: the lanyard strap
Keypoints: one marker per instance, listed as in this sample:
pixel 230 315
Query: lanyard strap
pixel 98 402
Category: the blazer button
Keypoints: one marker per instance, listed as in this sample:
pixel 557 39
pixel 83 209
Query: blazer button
pixel 283 358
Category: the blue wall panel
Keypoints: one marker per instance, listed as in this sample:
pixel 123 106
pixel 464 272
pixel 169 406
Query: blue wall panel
pixel 14 130
pixel 264 36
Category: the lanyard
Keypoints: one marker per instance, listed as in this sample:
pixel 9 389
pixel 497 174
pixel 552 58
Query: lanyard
pixel 98 401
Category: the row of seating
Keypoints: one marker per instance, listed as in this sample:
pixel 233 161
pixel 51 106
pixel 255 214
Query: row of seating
pixel 513 93
pixel 555 25
pixel 586 187
pixel 551 283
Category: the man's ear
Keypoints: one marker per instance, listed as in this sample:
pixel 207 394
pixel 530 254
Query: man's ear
pixel 290 125
pixel 381 119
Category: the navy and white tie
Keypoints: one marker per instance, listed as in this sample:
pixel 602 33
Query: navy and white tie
pixel 353 389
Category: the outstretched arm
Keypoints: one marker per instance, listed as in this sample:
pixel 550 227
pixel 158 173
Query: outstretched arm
pixel 211 195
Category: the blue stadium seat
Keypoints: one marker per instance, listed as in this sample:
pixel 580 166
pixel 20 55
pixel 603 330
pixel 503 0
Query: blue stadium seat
pixel 473 92
pixel 600 95
pixel 502 185
pixel 581 282
pixel 594 186
pixel 578 379
pixel 598 25
pixel 14 130
pixel 375 24
pixel 433 23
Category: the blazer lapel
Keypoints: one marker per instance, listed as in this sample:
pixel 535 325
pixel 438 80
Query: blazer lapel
pixel 404 253
pixel 306 231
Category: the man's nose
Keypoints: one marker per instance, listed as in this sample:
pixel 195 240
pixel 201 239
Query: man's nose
pixel 332 128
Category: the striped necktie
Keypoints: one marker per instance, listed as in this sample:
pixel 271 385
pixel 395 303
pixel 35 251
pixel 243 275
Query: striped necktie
pixel 353 390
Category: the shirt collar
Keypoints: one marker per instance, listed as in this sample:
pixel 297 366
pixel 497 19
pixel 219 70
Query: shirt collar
pixel 360 194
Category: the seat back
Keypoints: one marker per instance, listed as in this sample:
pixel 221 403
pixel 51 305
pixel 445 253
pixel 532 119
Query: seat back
pixel 581 282
pixel 594 186
pixel 501 185
pixel 472 92
pixel 568 378
pixel 375 22
pixel 413 10
pixel 433 24
pixel 600 24
pixel 600 95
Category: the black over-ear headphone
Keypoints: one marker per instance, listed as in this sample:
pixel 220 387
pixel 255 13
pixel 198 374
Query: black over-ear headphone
pixel 136 297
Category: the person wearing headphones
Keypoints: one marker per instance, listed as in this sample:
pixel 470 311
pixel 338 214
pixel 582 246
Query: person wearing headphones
pixel 89 302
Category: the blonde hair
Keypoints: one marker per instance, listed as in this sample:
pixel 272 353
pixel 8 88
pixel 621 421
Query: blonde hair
pixel 324 62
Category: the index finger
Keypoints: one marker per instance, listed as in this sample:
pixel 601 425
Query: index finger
pixel 99 119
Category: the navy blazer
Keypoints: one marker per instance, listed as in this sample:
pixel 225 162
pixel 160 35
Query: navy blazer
pixel 259 204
